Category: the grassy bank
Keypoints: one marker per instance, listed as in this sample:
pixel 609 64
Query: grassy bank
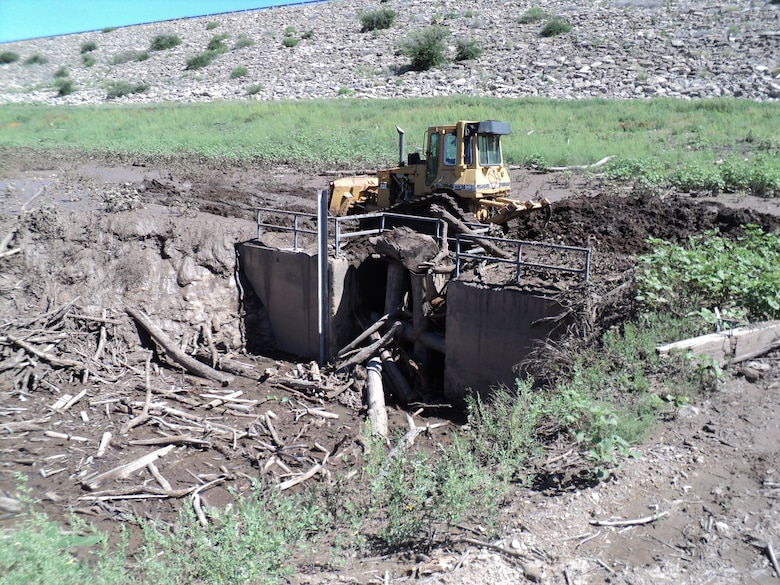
pixel 664 134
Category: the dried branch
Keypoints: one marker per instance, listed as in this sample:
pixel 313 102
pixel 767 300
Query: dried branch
pixel 188 363
pixel 636 522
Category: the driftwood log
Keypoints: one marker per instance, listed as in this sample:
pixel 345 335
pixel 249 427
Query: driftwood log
pixel 190 364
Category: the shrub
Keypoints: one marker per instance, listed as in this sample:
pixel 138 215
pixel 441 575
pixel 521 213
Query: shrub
pixel 200 60
pixel 377 19
pixel 307 35
pixel 217 43
pixel 211 25
pixel 61 73
pixel 554 27
pixel 239 71
pixel 127 56
pixel 289 31
pixel 88 60
pixel 533 14
pixel 108 29
pixel 254 89
pixel 426 47
pixel 163 41
pixel 465 50
pixel 712 271
pixel 8 57
pixel 64 87
pixel 289 42
pixel 88 47
pixel 243 41
pixel 118 89
pixel 346 91
pixel 36 60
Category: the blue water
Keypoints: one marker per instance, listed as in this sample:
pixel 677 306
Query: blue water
pixel 28 19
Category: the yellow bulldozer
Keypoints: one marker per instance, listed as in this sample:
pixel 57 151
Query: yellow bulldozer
pixel 463 168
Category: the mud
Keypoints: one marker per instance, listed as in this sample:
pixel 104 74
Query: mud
pixel 711 466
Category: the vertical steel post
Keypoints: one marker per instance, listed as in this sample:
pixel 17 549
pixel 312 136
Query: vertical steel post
pixel 322 273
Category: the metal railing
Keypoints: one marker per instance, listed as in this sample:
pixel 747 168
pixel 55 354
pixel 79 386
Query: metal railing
pixel 386 221
pixel 519 261
pixel 341 231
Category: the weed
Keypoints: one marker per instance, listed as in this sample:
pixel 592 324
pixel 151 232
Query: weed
pixel 239 71
pixel 379 19
pixel 254 89
pixel 309 34
pixel 467 50
pixel 554 27
pixel 201 60
pixel 697 176
pixel 36 59
pixel 289 42
pixel 7 57
pixel 64 86
pixel 242 42
pixel 108 29
pixel 61 73
pixel 127 56
pixel 711 271
pixel 88 60
pixel 248 544
pixel 426 47
pixel 217 43
pixel 88 47
pixel 117 89
pixel 211 25
pixel 290 31
pixel 345 91
pixel 533 14
pixel 163 42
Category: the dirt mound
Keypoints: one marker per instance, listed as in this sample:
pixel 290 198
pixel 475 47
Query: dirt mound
pixel 621 225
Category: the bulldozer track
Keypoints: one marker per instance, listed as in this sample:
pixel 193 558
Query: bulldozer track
pixel 422 206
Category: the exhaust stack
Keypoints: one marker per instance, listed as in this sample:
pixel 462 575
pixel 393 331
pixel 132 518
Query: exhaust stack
pixel 401 146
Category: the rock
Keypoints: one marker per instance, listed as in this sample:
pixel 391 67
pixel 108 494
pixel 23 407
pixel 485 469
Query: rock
pixel 628 34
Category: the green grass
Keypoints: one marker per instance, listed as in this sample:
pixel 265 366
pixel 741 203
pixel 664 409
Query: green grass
pixel 653 138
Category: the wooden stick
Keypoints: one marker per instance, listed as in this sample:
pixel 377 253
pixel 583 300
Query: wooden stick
pixel 173 440
pixel 372 349
pixel 636 522
pixel 144 416
pixel 188 363
pixel 125 470
pixel 164 483
pixel 366 334
pixel 104 442
pixel 301 478
pixel 771 552
pixel 507 551
pixel 67 437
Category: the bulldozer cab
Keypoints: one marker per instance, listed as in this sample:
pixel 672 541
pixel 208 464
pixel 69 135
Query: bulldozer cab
pixel 465 159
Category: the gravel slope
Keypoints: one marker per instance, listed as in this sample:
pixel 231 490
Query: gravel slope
pixel 620 50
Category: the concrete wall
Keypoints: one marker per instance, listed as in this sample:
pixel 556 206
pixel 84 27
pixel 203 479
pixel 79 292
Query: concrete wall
pixel 286 283
pixel 489 330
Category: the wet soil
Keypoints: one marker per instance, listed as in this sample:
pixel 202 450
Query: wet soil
pixel 705 484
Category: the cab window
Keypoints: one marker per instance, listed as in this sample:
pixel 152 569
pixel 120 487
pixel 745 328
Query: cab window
pixel 489 149
pixel 432 164
pixel 450 149
pixel 468 150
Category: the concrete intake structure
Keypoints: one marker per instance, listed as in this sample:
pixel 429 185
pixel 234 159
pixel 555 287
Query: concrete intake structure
pixel 464 335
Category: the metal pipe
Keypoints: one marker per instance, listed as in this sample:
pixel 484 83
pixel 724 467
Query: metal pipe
pixel 322 274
